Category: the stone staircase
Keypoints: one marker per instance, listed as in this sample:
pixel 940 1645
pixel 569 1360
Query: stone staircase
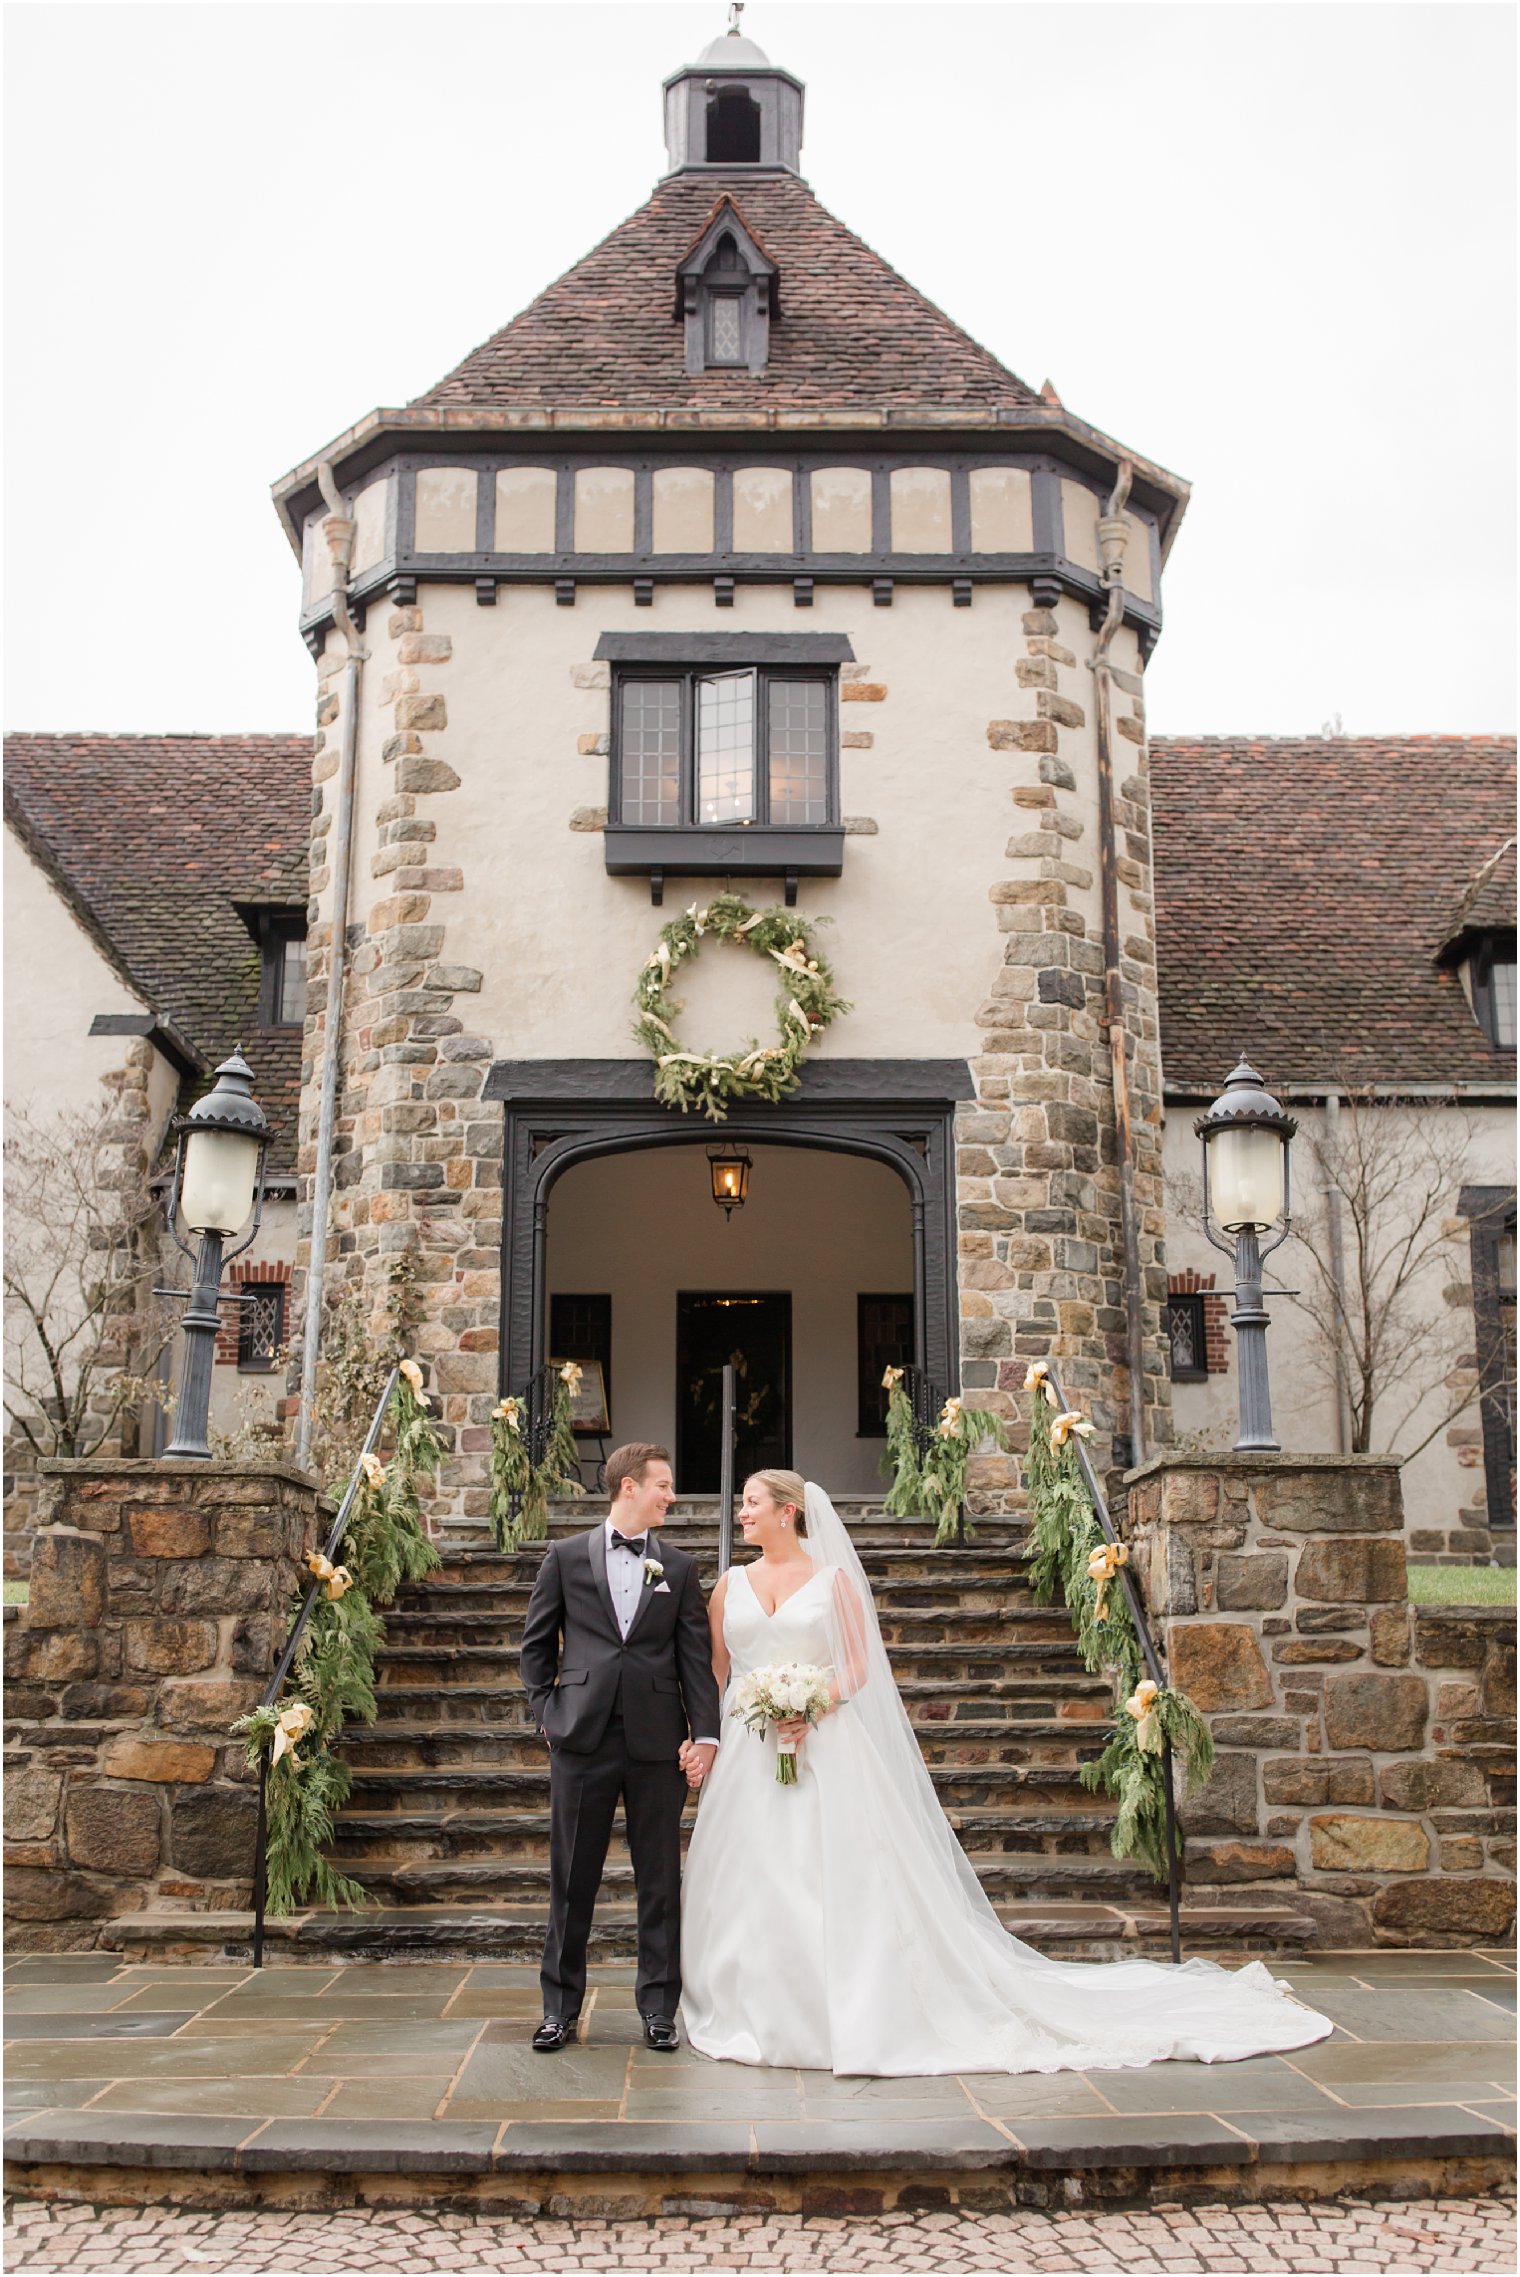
pixel 447 1826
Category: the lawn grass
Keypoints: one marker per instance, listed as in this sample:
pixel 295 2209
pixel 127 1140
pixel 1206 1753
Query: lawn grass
pixel 1462 1584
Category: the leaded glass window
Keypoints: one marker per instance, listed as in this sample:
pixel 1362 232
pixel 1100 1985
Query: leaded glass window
pixel 261 1325
pixel 1185 1328
pixel 651 751
pixel 725 328
pixel 726 748
pixel 799 751
pixel 708 750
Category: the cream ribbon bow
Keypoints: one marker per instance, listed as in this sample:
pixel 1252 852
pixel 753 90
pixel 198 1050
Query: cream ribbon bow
pixel 413 1375
pixel 295 1722
pixel 337 1577
pixel 1141 1705
pixel 1072 1421
pixel 1101 1568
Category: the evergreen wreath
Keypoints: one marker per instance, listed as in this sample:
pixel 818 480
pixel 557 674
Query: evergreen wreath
pixel 1071 1555
pixel 334 1669
pixel 808 1002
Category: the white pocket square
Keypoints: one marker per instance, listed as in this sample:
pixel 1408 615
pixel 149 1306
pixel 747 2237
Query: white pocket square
pixel 662 1589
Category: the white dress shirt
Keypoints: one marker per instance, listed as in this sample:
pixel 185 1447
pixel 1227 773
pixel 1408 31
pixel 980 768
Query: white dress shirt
pixel 627 1581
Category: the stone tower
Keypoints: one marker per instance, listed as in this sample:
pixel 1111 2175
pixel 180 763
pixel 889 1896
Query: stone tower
pixel 733 560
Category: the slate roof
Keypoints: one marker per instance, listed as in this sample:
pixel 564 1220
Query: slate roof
pixel 1304 891
pixel 852 332
pixel 153 840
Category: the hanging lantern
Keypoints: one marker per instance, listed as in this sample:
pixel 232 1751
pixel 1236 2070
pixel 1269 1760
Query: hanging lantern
pixel 730 1168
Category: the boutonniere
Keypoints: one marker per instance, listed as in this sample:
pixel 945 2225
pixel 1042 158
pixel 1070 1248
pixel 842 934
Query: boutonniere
pixel 653 1572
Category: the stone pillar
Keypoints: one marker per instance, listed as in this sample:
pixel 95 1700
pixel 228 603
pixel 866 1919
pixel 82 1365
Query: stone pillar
pixel 1041 1254
pixel 160 1596
pixel 1351 1768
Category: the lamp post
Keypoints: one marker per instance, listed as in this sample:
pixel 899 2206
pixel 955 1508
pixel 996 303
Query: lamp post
pixel 218 1184
pixel 1246 1136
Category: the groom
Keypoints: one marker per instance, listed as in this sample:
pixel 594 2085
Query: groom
pixel 617 1664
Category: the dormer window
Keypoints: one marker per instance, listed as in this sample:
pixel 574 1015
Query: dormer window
pixel 1491 981
pixel 726 293
pixel 282 944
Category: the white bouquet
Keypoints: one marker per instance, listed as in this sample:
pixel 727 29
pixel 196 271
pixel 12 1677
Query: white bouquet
pixel 790 1691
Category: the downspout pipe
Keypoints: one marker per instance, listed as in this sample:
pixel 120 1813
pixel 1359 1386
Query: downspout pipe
pixel 1113 536
pixel 338 530
pixel 1343 1425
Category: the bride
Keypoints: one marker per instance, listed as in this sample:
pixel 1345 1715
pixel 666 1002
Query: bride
pixel 836 1924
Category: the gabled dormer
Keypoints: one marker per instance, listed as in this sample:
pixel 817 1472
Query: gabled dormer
pixel 727 293
pixel 733 108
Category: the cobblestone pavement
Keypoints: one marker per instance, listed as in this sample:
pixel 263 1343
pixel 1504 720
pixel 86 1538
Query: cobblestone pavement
pixel 1391 2236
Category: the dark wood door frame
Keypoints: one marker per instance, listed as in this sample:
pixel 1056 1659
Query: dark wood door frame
pixel 560 1112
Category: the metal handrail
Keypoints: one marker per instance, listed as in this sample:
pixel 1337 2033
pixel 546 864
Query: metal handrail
pixel 726 1474
pixel 283 1665
pixel 1155 1667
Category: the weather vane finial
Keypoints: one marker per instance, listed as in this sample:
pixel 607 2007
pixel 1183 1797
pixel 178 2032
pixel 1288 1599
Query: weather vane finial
pixel 736 10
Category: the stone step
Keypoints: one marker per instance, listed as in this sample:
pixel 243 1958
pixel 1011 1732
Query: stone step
pixel 446 1788
pixel 511 1881
pixel 1020 1837
pixel 1076 1928
pixel 969 1739
pixel 892 1537
pixel 1075 1697
pixel 986 1624
pixel 933 1659
pixel 907 1593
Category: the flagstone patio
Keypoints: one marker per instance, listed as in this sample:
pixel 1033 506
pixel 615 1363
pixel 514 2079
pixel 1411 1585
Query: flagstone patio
pixel 424 2070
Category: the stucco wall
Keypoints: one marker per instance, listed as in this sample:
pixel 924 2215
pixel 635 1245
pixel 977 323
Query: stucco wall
pixel 826 1227
pixel 1443 1480
pixel 56 980
pixel 559 943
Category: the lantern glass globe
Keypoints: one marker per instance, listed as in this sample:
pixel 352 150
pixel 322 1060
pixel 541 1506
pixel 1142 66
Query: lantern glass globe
pixel 219 1181
pixel 1246 1176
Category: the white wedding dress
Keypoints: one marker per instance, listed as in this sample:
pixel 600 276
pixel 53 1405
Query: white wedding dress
pixel 836 1925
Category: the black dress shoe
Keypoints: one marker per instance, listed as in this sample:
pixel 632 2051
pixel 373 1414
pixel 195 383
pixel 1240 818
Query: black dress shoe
pixel 660 2033
pixel 554 2033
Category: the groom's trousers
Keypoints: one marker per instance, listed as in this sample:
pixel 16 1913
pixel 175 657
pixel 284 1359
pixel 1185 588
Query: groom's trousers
pixel 584 1792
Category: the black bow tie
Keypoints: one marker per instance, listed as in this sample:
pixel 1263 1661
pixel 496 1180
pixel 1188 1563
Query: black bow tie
pixel 634 1542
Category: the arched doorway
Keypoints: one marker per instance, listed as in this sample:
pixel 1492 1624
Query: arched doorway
pixel 807 1289
pixel 894 1116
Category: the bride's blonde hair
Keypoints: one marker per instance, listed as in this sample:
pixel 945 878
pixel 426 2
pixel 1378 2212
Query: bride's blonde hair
pixel 785 1486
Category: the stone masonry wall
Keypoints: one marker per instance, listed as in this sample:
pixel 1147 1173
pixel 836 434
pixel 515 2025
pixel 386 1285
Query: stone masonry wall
pixel 160 1595
pixel 1365 1745
pixel 417 1162
pixel 1041 1253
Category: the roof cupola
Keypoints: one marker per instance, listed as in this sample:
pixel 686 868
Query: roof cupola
pixel 733 109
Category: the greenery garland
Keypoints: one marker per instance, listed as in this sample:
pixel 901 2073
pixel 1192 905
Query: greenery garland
pixel 521 1489
pixel 929 1479
pixel 1071 1556
pixel 807 1003
pixel 334 1669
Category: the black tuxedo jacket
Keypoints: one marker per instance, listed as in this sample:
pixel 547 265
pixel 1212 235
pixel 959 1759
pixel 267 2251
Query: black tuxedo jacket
pixel 575 1666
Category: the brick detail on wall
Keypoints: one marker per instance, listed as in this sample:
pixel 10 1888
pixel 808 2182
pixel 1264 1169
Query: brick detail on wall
pixel 1216 1316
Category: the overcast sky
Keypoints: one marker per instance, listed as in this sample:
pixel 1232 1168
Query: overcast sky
pixel 1269 245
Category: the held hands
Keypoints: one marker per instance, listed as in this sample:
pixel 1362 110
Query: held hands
pixel 696 1760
